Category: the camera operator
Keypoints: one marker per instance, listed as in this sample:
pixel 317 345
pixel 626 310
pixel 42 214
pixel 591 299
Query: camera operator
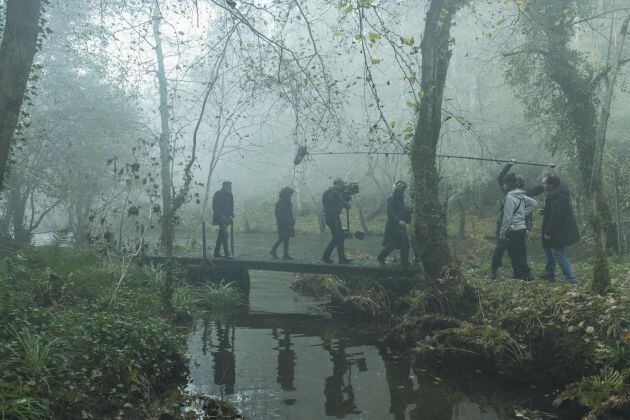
pixel 334 200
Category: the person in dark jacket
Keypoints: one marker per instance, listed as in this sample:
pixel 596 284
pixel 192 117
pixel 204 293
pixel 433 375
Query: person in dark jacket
pixel 285 223
pixel 334 202
pixel 559 229
pixel 398 217
pixel 223 216
pixel 501 246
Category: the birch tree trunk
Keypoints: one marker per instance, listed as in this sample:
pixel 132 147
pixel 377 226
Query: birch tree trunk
pixel 167 231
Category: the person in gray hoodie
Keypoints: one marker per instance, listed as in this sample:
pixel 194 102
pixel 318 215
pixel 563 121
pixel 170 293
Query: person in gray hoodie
pixel 516 206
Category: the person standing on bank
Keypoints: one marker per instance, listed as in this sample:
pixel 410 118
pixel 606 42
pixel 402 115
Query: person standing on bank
pixel 559 229
pixel 398 217
pixel 516 206
pixel 223 216
pixel 334 202
pixel 285 223
pixel 501 246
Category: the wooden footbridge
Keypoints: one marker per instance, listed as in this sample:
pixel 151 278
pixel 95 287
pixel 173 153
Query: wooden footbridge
pixel 200 269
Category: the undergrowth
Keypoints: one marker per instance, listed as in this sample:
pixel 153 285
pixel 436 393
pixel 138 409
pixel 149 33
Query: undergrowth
pixel 76 341
pixel 536 332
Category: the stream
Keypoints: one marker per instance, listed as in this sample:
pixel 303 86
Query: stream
pixel 278 357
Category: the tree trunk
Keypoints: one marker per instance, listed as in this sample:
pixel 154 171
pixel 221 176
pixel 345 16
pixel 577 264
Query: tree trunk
pixel 167 233
pixel 590 137
pixel 19 44
pixel 429 216
pixel 601 212
pixel 461 234
pixel 362 221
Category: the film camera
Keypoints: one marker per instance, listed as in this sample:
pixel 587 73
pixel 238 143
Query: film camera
pixel 350 190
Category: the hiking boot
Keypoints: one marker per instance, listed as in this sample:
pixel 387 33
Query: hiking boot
pixel 287 257
pixel 381 263
pixel 327 260
pixel 274 255
pixel 345 261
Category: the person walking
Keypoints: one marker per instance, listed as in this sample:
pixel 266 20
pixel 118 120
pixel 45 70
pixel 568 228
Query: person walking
pixel 398 217
pixel 285 223
pixel 559 229
pixel 334 202
pixel 501 246
pixel 516 206
pixel 223 216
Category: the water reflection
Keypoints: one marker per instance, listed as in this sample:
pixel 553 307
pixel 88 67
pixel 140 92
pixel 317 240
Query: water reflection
pixel 338 387
pixel 224 360
pixel 300 366
pixel 286 360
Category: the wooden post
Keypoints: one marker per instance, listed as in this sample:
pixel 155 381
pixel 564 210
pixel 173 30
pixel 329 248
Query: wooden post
pixel 617 211
pixel 203 239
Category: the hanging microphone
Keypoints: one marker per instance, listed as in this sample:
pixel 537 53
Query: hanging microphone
pixel 300 155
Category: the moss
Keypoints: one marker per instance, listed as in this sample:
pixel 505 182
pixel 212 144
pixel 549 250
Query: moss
pixel 601 275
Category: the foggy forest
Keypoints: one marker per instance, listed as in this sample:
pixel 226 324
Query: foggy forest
pixel 309 209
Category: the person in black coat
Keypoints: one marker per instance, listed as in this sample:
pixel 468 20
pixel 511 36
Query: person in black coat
pixel 559 229
pixel 223 216
pixel 334 202
pixel 285 223
pixel 398 217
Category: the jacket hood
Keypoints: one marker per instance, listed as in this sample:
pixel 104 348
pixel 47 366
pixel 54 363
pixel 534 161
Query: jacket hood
pixel 517 192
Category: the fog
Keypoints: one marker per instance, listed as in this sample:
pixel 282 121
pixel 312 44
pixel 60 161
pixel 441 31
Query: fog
pixel 251 83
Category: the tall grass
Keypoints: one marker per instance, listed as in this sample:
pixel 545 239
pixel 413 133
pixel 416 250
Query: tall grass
pixel 218 295
pixel 33 353
pixel 15 404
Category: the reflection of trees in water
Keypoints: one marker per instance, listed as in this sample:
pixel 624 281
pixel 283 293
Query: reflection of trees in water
pixel 286 361
pixel 429 401
pixel 397 373
pixel 338 390
pixel 206 336
pixel 224 360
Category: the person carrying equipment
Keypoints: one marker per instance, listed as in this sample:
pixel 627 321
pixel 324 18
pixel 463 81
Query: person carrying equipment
pixel 516 206
pixel 501 245
pixel 334 201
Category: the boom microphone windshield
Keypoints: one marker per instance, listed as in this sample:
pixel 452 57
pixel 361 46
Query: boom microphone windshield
pixel 300 155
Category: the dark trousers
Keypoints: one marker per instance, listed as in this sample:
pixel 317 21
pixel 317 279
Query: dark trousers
pixel 337 240
pixel 517 250
pixel 222 241
pixel 404 250
pixel 285 248
pixel 497 255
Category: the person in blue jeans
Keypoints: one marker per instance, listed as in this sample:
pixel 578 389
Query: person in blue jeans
pixel 559 229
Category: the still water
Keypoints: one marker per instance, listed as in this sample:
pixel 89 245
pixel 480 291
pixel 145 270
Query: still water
pixel 279 358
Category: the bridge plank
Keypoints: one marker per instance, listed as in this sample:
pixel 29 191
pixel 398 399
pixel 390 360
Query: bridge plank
pixel 313 266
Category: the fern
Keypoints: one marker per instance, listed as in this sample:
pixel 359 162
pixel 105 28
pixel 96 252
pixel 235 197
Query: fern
pixel 596 390
pixel 60 237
